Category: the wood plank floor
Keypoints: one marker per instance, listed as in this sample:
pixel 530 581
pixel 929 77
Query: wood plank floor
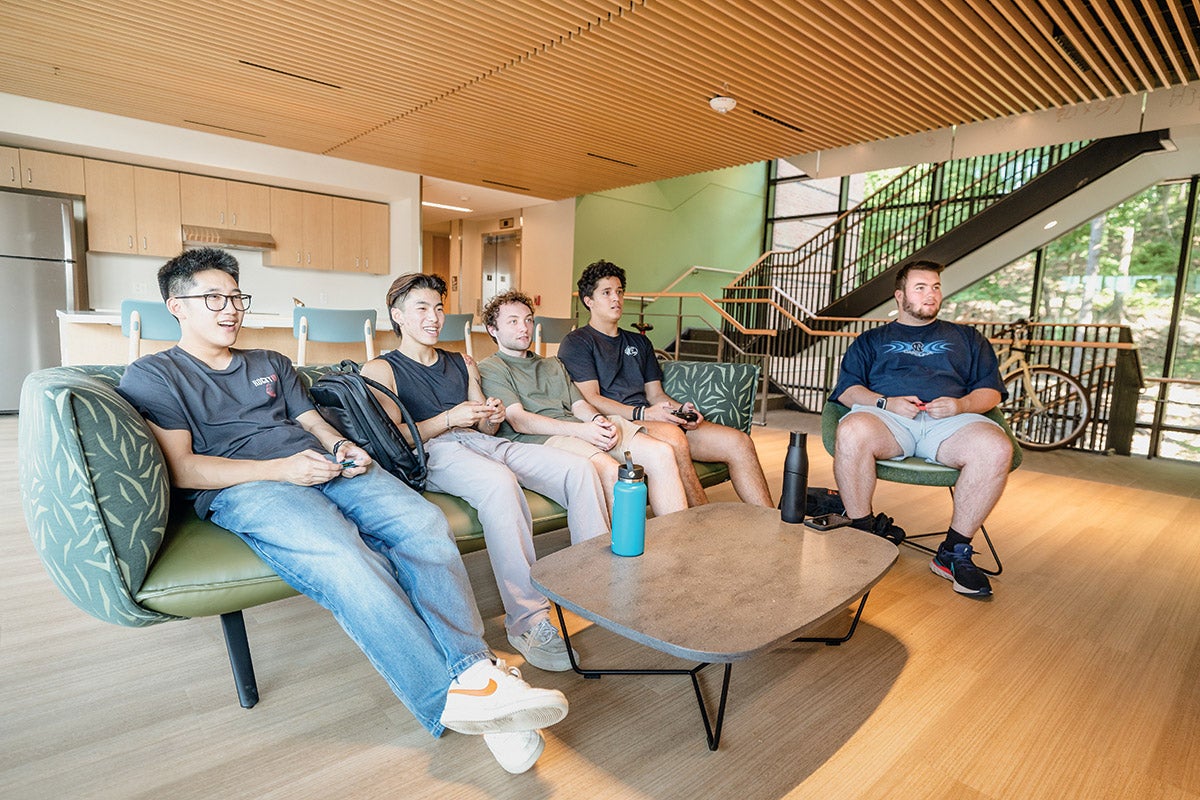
pixel 1080 678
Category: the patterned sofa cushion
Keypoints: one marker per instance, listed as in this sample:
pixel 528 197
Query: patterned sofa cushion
pixel 94 488
pixel 724 392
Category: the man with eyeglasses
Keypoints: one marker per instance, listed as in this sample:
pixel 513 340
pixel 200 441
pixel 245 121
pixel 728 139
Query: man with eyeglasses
pixel 242 437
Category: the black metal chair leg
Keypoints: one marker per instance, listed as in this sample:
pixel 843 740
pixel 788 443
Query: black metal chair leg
pixel 234 625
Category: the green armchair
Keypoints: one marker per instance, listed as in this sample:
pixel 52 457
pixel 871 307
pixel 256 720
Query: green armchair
pixel 919 472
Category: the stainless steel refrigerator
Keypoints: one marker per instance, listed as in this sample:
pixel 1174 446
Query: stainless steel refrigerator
pixel 37 278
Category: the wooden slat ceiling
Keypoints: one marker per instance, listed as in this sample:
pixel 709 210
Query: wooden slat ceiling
pixel 557 98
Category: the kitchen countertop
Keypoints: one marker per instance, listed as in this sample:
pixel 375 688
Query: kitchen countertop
pixel 106 317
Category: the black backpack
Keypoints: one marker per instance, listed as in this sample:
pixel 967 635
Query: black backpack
pixel 347 404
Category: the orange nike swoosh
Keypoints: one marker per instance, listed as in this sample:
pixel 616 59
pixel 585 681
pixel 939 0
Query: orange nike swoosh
pixel 486 691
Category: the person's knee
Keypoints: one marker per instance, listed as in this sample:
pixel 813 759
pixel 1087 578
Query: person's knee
pixel 741 444
pixel 656 454
pixel 605 467
pixel 854 433
pixel 997 449
pixel 674 437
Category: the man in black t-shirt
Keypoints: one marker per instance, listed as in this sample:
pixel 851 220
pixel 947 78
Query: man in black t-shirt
pixel 920 386
pixel 240 434
pixel 616 371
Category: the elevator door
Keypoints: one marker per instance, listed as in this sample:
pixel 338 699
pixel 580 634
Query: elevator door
pixel 501 265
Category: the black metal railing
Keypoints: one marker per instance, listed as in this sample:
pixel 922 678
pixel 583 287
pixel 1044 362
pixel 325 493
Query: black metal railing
pixel 916 207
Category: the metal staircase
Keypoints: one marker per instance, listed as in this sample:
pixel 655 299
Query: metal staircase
pixel 812 298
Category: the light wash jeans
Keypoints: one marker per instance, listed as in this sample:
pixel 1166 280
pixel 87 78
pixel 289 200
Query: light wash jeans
pixel 383 560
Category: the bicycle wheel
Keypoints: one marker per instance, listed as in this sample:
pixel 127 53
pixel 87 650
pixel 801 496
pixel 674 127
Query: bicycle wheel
pixel 1050 410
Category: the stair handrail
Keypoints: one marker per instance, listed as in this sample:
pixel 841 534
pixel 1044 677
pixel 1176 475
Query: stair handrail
pixel 687 273
pixel 701 296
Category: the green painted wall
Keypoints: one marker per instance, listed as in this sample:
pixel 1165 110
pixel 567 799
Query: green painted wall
pixel 656 231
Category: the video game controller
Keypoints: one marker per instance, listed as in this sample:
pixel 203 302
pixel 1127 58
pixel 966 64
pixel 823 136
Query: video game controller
pixel 686 416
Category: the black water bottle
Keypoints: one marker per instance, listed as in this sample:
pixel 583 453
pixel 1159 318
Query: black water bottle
pixel 795 479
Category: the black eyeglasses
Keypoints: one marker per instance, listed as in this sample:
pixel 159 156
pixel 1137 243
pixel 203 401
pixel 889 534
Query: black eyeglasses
pixel 217 302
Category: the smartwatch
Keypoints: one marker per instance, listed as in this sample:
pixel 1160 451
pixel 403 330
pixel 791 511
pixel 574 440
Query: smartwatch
pixel 881 403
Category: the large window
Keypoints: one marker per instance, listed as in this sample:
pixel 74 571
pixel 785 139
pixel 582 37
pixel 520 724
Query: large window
pixel 1136 265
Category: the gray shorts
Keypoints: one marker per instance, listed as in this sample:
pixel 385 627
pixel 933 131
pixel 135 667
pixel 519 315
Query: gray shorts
pixel 922 435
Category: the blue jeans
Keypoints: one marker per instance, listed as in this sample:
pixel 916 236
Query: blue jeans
pixel 383 560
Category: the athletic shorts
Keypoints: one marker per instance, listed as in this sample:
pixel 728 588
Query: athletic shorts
pixel 626 430
pixel 922 435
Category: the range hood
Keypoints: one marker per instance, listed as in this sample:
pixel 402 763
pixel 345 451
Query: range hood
pixel 201 236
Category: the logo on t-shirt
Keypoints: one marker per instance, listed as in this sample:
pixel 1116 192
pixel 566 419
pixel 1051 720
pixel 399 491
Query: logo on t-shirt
pixel 918 349
pixel 268 383
pixel 631 350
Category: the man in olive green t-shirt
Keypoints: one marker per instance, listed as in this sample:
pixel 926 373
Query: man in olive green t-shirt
pixel 542 406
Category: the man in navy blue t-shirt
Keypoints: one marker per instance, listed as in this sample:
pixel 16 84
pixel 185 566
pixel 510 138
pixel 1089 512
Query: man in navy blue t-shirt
pixel 920 386
pixel 615 370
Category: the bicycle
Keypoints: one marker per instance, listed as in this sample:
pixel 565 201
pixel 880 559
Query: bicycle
pixel 1046 407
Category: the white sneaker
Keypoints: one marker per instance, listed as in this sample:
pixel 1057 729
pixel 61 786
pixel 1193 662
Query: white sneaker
pixel 543 647
pixel 517 751
pixel 492 698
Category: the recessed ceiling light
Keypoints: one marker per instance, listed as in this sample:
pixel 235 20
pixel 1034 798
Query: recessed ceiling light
pixel 446 207
pixel 1049 224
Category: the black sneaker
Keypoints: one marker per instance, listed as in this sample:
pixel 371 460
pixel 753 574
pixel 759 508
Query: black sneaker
pixel 881 525
pixel 955 565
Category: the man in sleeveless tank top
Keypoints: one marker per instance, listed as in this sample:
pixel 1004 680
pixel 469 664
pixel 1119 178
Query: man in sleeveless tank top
pixel 241 436
pixel 441 390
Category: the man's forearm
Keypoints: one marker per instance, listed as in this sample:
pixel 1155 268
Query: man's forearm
pixel 523 421
pixel 214 472
pixel 606 406
pixel 858 395
pixel 980 401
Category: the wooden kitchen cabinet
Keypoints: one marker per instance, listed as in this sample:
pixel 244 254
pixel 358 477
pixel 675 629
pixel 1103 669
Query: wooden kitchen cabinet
pixel 132 209
pixel 36 169
pixel 376 238
pixel 10 167
pixel 302 226
pixel 317 214
pixel 218 203
pixel 347 235
pixel 287 228
pixel 360 236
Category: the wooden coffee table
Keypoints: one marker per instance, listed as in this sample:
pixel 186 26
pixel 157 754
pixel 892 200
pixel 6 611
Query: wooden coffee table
pixel 717 584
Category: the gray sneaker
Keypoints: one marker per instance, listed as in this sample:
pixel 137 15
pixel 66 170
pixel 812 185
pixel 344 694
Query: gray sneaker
pixel 543 647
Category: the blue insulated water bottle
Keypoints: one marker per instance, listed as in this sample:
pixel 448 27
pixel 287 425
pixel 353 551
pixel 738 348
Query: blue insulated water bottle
pixel 629 509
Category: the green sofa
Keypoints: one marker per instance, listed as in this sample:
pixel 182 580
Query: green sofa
pixel 94 488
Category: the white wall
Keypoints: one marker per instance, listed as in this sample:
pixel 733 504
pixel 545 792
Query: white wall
pixel 547 247
pixel 49 126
